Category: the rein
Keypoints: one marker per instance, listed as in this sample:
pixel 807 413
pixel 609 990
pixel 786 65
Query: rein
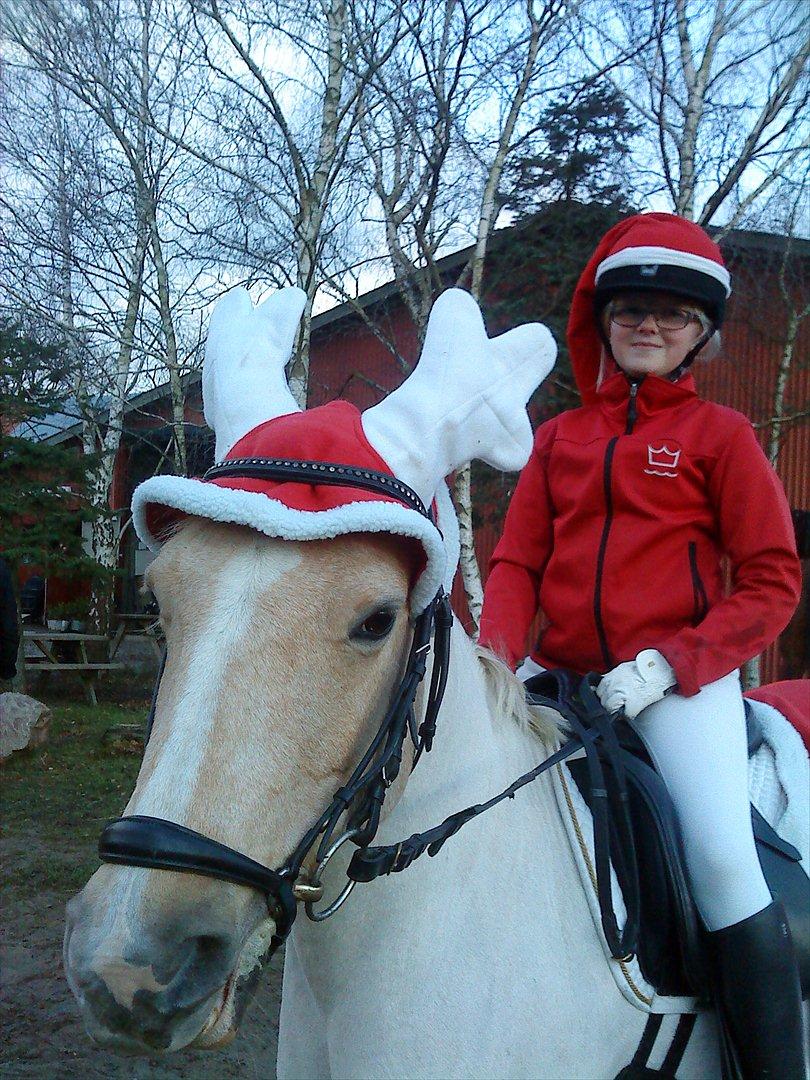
pixel 155 843
pixel 578 704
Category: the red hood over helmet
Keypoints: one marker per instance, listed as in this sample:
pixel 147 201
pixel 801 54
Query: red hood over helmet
pixel 661 252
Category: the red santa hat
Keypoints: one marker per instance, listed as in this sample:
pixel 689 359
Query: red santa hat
pixel 646 252
pixel 465 398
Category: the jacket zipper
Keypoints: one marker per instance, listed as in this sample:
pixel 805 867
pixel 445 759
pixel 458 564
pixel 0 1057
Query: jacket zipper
pixel 632 415
pixel 600 560
pixel 701 601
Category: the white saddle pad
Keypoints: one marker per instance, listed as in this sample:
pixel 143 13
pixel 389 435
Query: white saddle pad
pixel 779 783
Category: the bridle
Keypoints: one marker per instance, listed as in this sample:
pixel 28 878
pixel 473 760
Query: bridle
pixel 138 840
pixel 156 843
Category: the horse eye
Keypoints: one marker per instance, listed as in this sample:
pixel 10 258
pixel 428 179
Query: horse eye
pixel 375 626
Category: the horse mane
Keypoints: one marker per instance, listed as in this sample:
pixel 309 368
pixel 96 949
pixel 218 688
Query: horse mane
pixel 509 698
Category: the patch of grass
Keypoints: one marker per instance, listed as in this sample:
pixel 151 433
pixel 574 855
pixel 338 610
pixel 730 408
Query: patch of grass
pixel 57 797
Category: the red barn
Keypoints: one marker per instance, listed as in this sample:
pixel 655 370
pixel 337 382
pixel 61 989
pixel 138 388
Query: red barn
pixel 351 359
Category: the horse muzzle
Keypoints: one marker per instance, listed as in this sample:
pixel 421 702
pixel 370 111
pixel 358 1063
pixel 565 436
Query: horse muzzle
pixel 155 987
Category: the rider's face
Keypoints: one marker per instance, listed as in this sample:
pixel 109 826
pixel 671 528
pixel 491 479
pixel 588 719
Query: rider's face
pixel 648 348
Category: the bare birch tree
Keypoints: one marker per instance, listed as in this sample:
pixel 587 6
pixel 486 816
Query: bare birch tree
pixel 441 120
pixel 794 291
pixel 128 64
pixel 75 266
pixel 720 87
pixel 543 26
pixel 290 79
pixel 113 70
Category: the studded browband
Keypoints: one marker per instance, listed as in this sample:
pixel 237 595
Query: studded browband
pixel 317 472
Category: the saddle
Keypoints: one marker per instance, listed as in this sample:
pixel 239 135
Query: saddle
pixel 636 827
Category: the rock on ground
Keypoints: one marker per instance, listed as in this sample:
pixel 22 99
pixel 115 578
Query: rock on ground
pixel 24 723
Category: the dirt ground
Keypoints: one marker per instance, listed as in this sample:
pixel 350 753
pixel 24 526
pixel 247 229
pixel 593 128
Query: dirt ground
pixel 55 800
pixel 42 1036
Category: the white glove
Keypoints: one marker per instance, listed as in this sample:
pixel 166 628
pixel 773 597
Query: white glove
pixel 633 686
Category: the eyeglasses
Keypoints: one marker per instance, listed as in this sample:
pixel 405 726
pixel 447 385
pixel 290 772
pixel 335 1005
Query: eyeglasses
pixel 669 318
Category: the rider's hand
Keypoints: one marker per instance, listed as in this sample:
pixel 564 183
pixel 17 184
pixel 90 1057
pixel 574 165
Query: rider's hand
pixel 633 686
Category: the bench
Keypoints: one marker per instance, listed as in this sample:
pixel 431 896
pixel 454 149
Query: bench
pixel 46 658
pixel 140 625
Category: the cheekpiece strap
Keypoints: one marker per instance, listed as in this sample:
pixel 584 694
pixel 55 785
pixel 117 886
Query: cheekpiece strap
pixel 318 472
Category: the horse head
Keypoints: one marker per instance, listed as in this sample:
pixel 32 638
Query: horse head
pixel 288 603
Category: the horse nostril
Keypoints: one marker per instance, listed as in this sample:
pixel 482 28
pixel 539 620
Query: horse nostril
pixel 210 949
pixel 193 964
pixel 209 946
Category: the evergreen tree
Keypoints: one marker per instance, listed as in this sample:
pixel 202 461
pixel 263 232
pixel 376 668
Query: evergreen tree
pixel 578 154
pixel 42 501
pixel 566 191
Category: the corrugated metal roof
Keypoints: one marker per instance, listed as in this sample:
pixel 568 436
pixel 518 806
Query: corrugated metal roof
pixel 52 424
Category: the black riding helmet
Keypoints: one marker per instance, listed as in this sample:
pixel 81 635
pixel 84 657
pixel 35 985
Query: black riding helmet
pixel 646 253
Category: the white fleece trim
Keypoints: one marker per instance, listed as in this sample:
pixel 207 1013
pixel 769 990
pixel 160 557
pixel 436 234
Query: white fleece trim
pixel 273 518
pixel 791 771
pixel 663 256
pixel 448 527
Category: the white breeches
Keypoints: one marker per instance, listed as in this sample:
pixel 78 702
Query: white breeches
pixel 699 746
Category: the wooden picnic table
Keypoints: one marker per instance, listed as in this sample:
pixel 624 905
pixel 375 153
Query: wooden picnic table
pixel 51 657
pixel 138 625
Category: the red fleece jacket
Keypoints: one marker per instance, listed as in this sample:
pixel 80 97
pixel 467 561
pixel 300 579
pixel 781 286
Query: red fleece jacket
pixel 618 537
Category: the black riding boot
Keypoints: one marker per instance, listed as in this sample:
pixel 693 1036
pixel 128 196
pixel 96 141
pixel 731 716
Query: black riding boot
pixel 760 995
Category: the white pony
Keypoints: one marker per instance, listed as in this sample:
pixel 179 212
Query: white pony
pixel 288 610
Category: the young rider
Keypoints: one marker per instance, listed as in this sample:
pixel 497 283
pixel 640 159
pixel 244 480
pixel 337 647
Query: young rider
pixel 616 531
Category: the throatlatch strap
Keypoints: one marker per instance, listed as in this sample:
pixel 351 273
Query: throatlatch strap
pixel 150 720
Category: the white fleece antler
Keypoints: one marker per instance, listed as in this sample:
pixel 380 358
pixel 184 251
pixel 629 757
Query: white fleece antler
pixel 465 399
pixel 243 374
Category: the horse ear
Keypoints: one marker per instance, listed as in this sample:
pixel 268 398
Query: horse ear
pixel 466 397
pixel 244 383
